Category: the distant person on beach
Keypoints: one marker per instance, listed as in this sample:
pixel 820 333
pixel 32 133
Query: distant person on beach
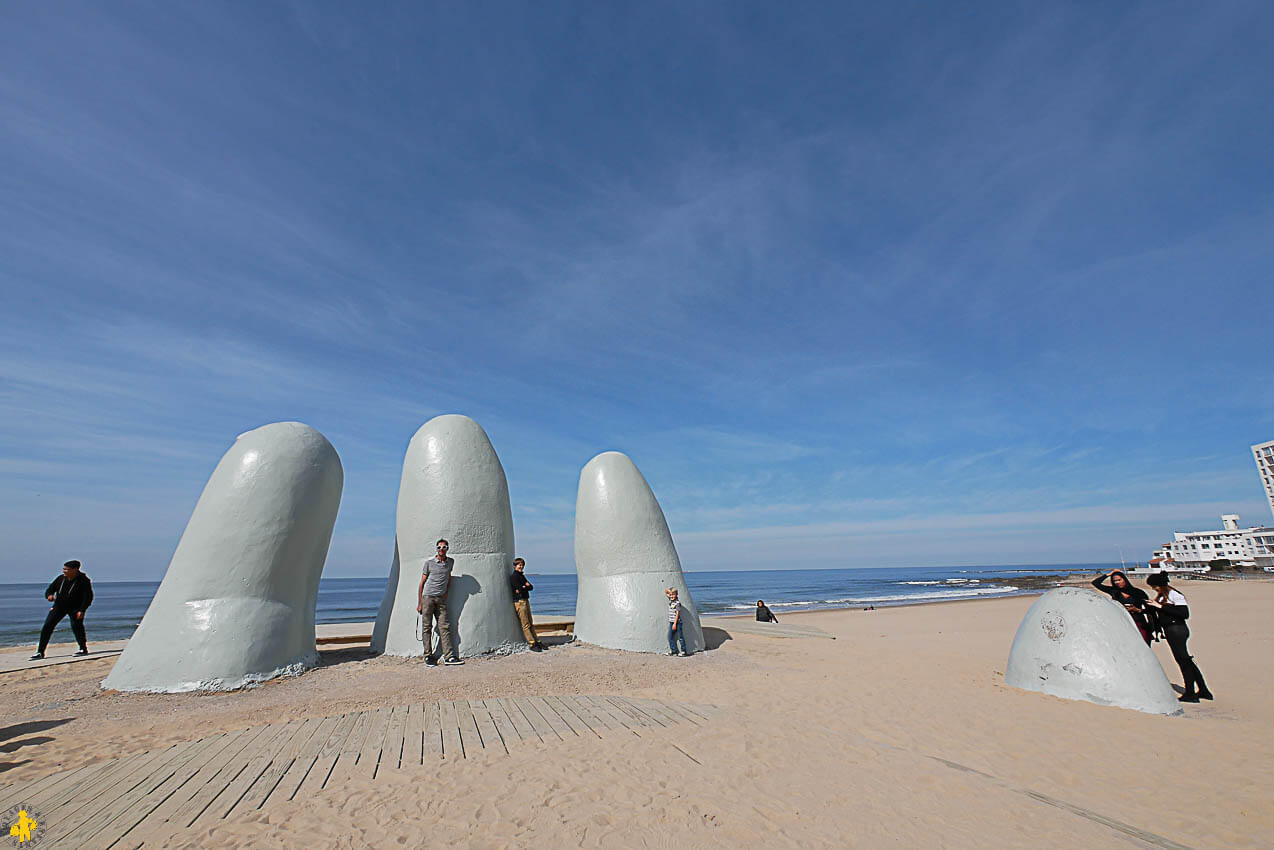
pixel 675 631
pixel 431 602
pixel 1133 599
pixel 71 593
pixel 1173 613
pixel 522 603
pixel 763 614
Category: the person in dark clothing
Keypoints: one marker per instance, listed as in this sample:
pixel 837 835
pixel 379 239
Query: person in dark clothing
pixel 522 603
pixel 71 593
pixel 1173 613
pixel 763 614
pixel 1133 599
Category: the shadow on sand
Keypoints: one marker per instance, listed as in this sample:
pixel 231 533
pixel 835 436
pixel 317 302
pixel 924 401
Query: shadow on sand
pixel 31 726
pixel 714 637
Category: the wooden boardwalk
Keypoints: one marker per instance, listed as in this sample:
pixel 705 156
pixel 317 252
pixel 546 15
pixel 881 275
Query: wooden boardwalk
pixel 120 803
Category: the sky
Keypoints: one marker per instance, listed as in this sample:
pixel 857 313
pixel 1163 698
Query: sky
pixel 854 285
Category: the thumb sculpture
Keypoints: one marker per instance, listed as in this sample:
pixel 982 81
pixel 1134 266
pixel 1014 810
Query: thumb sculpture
pixel 236 605
pixel 625 559
pixel 1077 644
pixel 453 487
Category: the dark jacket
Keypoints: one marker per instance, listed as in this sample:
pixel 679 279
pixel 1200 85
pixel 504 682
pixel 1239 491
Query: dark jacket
pixel 521 587
pixel 71 594
pixel 765 615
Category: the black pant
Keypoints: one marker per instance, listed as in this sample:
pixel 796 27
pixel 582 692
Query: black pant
pixel 55 617
pixel 1177 635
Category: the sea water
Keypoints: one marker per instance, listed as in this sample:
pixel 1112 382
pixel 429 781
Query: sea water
pixel 118 606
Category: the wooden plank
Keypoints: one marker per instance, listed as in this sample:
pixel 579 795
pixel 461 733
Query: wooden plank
pixel 343 766
pixel 560 726
pixel 317 776
pixel 645 708
pixel 632 711
pixel 452 744
pixel 705 712
pixel 26 792
pixel 524 727
pixel 503 725
pixel 540 723
pixel 680 710
pixel 201 774
pixel 650 706
pixel 370 755
pixel 609 715
pixel 102 829
pixel 220 773
pixel 433 730
pixel 260 761
pixel 54 795
pixel 15 794
pixel 584 707
pixel 413 738
pixel 571 718
pixel 263 787
pixel 100 803
pixel 82 796
pixel 621 720
pixel 149 806
pixel 491 738
pixel 470 737
pixel 395 739
pixel 305 758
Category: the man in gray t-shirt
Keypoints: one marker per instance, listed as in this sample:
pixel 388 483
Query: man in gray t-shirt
pixel 431 602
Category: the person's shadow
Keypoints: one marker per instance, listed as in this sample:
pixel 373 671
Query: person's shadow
pixel 9 733
pixel 461 590
pixel 714 637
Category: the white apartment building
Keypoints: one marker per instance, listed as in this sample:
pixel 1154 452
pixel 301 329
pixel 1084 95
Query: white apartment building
pixel 1247 547
pixel 1264 455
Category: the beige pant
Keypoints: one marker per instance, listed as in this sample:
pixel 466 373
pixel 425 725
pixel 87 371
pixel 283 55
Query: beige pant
pixel 435 607
pixel 523 607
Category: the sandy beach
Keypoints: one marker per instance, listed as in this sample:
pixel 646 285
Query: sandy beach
pixel 901 732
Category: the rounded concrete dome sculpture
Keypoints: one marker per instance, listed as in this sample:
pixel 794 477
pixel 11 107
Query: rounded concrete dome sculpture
pixel 237 602
pixel 453 487
pixel 1078 644
pixel 625 559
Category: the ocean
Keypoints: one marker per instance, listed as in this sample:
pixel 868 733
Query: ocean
pixel 118 606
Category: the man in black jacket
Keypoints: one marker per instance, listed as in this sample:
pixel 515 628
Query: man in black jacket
pixel 522 603
pixel 71 593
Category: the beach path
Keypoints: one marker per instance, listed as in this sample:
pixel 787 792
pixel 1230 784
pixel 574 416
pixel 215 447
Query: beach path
pixel 143 797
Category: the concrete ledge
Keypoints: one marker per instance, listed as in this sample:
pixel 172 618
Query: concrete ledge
pixel 353 634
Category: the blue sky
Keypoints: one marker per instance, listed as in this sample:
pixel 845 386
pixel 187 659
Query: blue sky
pixel 853 285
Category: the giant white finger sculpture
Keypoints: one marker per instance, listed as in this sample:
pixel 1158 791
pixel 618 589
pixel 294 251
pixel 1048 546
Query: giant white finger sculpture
pixel 453 487
pixel 237 602
pixel 625 559
pixel 1079 644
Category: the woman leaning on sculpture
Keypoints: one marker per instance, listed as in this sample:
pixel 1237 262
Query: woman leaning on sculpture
pixel 1133 599
pixel 1173 613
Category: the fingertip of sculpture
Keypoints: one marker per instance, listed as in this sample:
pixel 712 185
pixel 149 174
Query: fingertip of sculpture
pixel 624 559
pixel 1078 644
pixel 453 486
pixel 236 605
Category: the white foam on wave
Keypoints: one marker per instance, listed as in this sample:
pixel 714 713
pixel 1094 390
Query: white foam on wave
pixel 962 592
pixel 954 593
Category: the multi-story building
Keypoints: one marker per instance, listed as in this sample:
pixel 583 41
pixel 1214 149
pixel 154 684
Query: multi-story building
pixel 1264 455
pixel 1245 547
